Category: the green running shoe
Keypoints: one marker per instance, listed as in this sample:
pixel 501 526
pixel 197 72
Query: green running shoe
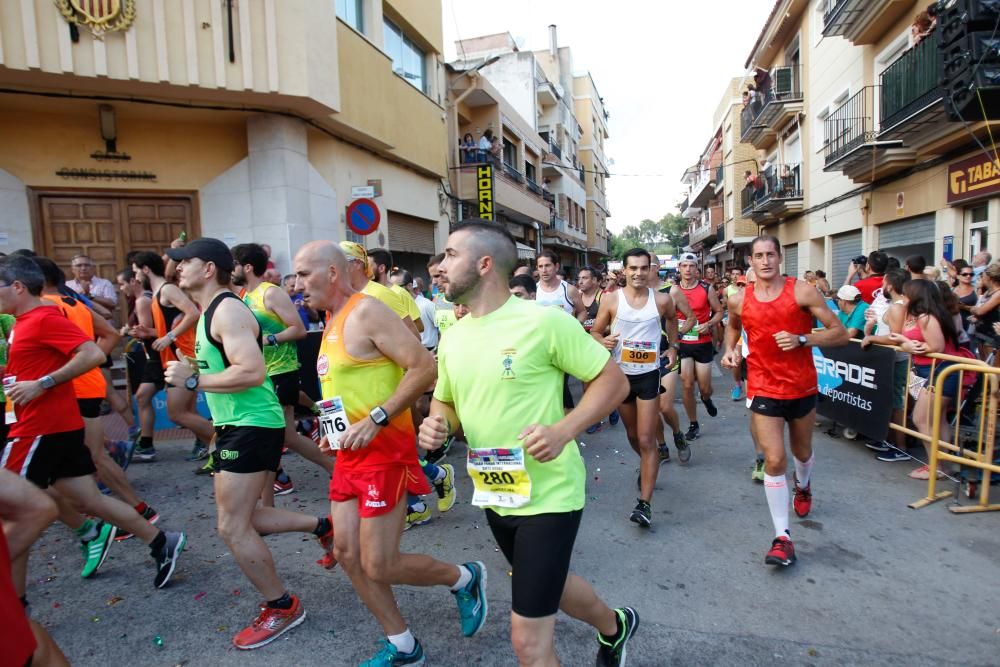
pixel 210 464
pixel 389 656
pixel 96 550
pixel 471 599
pixel 611 651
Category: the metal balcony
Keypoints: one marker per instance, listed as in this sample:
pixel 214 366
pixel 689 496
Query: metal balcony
pixel 910 96
pixel 851 144
pixel 776 193
pixel 778 98
pixel 863 21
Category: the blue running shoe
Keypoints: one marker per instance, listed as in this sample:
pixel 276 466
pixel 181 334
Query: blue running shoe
pixel 614 418
pixel 737 393
pixel 389 656
pixel 471 600
pixel 593 428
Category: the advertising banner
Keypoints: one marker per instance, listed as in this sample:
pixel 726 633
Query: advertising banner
pixel 855 387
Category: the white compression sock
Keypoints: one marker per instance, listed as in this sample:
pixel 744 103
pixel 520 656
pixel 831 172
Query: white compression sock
pixel 776 490
pixel 802 471
pixel 403 641
pixel 464 577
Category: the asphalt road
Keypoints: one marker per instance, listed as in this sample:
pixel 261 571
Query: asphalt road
pixel 876 583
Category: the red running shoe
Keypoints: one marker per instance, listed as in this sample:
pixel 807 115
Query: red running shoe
pixel 327 562
pixel 782 552
pixel 803 500
pixel 269 625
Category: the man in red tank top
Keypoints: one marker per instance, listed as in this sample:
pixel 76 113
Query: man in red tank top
pixel 777 315
pixel 696 349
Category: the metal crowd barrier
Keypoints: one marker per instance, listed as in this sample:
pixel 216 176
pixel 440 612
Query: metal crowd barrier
pixel 979 457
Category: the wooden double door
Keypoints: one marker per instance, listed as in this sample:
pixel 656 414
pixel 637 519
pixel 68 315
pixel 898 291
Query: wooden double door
pixel 106 228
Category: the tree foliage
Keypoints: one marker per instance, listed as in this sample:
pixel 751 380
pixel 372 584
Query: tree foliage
pixel 661 236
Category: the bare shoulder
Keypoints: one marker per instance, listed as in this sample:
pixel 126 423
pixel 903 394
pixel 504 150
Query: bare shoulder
pixel 807 295
pixel 735 303
pixel 663 300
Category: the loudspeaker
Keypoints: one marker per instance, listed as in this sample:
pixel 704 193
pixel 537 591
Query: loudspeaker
pixel 965 16
pixel 971 49
pixel 962 94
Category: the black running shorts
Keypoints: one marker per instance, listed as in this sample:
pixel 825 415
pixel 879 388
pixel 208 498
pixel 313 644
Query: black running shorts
pixel 152 372
pixel 538 548
pixel 645 387
pixel 702 353
pixel 45 459
pixel 788 409
pixel 247 449
pixel 286 386
pixel 90 408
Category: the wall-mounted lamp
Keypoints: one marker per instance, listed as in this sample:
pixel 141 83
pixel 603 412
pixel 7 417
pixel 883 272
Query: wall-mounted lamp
pixel 109 130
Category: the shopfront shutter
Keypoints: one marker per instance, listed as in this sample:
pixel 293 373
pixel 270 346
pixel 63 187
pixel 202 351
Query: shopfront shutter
pixel 845 248
pixel 411 234
pixel 791 253
pixel 906 232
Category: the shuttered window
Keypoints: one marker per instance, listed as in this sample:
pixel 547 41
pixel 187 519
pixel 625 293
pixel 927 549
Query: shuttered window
pixel 906 232
pixel 845 248
pixel 411 234
pixel 791 253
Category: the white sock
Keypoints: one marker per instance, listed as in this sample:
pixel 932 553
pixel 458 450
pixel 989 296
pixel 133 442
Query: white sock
pixel 403 641
pixel 802 470
pixel 441 475
pixel 464 577
pixel 418 506
pixel 776 490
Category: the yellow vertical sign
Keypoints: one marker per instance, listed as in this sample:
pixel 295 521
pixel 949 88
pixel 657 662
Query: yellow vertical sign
pixel 484 190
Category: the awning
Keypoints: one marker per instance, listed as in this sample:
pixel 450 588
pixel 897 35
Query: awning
pixel 743 240
pixel 525 251
pixel 718 248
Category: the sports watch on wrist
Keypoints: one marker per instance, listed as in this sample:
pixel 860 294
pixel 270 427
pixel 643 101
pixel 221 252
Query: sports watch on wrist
pixel 802 341
pixel 46 382
pixel 191 384
pixel 379 416
pixel 271 339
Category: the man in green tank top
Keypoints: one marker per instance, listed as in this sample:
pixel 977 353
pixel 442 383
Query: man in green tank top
pixel 280 327
pixel 249 432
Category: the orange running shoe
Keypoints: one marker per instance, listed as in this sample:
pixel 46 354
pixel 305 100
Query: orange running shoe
pixel 269 625
pixel 328 561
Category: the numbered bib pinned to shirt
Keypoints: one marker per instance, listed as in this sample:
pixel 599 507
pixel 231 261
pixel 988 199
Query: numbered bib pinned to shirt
pixel 333 422
pixel 499 477
pixel 691 336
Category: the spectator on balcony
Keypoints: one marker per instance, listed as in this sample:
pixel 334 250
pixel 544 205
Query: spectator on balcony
pixel 545 184
pixel 746 98
pixel 468 148
pixel 922 26
pixel 496 151
pixel 916 264
pixel 485 145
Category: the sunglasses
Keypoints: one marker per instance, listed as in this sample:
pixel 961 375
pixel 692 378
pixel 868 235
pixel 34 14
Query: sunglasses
pixel 966 275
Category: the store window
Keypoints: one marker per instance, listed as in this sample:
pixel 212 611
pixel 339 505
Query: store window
pixel 977 226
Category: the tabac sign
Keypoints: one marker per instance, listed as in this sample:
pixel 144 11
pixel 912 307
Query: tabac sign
pixel 100 16
pixel 484 191
pixel 978 176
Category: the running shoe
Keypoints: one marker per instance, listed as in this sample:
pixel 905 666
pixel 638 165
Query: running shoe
pixel 389 656
pixel 893 455
pixel 693 432
pixel 802 500
pixel 441 452
pixel 614 418
pixel 199 452
pixel 782 552
pixel 737 393
pixel 269 625
pixel 103 489
pixel 95 551
pixel 593 428
pixel 149 514
pixel 446 488
pixel 611 652
pixel 210 464
pixel 166 560
pixel 471 599
pixel 710 407
pixel 417 517
pixel 878 446
pixel 283 484
pixel 128 451
pixel 328 561
pixel 116 450
pixel 642 514
pixel 664 452
pixel 758 471
pixel 683 449
pixel 144 454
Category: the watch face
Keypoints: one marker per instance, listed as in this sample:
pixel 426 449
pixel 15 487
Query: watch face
pixel 191 382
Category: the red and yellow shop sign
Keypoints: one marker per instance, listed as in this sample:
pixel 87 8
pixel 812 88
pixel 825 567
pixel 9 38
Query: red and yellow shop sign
pixel 975 177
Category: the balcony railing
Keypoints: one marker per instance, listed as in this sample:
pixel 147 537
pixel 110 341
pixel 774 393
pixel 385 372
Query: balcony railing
pixel 781 85
pixel 910 83
pixel 555 150
pixel 548 196
pixel 746 201
pixel 514 174
pixel 558 224
pixel 850 125
pixel 534 187
pixel 777 184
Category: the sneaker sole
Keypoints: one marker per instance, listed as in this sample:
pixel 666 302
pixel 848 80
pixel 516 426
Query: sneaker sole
pixel 483 600
pixel 629 636
pixel 104 556
pixel 284 492
pixel 640 520
pixel 173 561
pixel 773 560
pixel 270 639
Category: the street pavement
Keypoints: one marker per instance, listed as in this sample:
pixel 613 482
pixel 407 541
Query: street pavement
pixel 876 583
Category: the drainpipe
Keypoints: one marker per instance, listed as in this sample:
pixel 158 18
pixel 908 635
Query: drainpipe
pixel 538 237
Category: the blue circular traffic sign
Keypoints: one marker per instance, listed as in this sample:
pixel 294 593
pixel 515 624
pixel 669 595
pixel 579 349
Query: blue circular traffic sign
pixel 363 216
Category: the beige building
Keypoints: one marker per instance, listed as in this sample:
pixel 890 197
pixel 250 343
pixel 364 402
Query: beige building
pixel 591 114
pixel 253 126
pixel 854 141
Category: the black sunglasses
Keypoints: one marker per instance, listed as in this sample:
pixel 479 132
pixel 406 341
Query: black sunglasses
pixel 966 274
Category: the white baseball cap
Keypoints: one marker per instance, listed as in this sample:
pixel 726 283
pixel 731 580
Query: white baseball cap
pixel 848 293
pixel 689 257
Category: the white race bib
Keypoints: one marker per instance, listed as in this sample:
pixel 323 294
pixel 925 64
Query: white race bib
pixel 692 335
pixel 499 477
pixel 333 422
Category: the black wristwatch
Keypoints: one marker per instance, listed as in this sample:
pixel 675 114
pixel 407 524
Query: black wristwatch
pixel 802 341
pixel 191 384
pixel 379 416
pixel 271 339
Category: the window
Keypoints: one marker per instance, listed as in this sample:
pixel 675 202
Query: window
pixel 730 206
pixel 509 153
pixel 350 12
pixel 408 61
pixel 529 172
pixel 978 224
pixel 827 132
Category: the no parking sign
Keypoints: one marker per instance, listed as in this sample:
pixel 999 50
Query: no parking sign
pixel 363 216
